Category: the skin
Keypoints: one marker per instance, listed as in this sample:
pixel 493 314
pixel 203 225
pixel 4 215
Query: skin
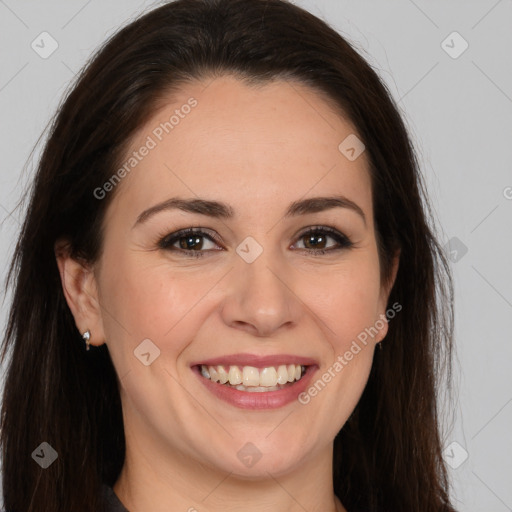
pixel 257 149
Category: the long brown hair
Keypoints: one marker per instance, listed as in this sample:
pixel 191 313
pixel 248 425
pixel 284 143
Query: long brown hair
pixel 388 456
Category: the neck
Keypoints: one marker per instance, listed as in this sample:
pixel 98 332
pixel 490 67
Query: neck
pixel 177 482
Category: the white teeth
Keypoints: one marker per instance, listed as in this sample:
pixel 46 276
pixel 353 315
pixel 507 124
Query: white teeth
pixel 257 389
pixel 223 374
pixel 235 375
pixel 291 372
pixel 282 374
pixel 213 373
pixel 217 373
pixel 268 377
pixel 250 378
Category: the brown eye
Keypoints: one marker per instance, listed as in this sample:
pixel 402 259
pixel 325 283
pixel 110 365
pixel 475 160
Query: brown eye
pixel 316 239
pixel 189 241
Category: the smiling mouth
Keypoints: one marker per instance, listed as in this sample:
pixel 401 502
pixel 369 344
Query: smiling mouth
pixel 252 379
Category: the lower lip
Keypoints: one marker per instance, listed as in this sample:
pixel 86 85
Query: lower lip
pixel 258 400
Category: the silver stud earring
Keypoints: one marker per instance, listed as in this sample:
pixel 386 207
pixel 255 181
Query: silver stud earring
pixel 87 336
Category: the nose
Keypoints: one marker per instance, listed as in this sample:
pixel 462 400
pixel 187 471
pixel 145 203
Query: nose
pixel 260 298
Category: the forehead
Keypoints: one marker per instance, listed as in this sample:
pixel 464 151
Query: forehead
pixel 224 139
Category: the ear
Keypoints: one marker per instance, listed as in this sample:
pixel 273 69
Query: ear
pixel 384 295
pixel 81 292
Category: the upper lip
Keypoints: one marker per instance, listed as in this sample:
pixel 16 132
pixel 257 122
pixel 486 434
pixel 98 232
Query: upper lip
pixel 256 361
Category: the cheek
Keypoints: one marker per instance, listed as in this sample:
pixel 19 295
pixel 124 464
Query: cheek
pixel 351 313
pixel 142 301
pixel 347 301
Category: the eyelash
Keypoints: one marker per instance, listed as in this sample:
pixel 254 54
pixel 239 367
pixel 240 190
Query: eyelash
pixel 167 241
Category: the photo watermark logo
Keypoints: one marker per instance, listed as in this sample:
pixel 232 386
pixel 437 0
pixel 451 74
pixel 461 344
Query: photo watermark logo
pixel 151 142
pixel 343 360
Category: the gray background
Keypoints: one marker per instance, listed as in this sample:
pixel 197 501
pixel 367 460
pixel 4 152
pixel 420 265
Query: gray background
pixel 459 112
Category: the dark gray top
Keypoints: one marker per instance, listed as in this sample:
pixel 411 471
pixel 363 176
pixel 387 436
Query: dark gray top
pixel 112 501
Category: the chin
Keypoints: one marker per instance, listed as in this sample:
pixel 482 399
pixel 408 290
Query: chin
pixel 250 462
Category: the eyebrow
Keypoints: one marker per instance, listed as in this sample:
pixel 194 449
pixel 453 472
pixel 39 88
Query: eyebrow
pixel 220 210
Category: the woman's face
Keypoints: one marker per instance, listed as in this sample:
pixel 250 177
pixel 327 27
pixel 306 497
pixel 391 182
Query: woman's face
pixel 253 292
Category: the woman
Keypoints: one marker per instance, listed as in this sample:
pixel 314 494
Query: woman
pixel 227 220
